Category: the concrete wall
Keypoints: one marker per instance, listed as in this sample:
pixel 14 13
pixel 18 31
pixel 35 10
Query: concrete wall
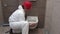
pixel 52 18
pixel 1 15
pixel 48 14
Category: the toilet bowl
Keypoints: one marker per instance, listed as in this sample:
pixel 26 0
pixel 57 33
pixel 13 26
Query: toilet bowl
pixel 33 21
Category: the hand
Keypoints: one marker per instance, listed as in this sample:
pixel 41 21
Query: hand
pixel 32 24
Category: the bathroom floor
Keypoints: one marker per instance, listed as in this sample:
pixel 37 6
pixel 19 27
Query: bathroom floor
pixel 35 31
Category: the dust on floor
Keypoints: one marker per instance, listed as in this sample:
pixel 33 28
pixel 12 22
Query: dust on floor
pixel 34 31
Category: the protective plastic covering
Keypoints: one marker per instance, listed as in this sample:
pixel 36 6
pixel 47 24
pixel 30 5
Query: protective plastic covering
pixel 22 26
pixel 18 25
pixel 17 15
pixel 17 21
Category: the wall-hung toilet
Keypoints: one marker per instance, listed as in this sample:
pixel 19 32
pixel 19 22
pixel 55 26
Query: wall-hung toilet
pixel 33 21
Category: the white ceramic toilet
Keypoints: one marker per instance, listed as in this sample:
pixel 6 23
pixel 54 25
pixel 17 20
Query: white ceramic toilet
pixel 33 20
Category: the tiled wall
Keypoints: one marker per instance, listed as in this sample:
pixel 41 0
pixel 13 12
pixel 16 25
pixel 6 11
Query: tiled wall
pixel 38 9
pixel 1 15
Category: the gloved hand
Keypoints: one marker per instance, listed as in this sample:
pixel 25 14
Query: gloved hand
pixel 32 24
